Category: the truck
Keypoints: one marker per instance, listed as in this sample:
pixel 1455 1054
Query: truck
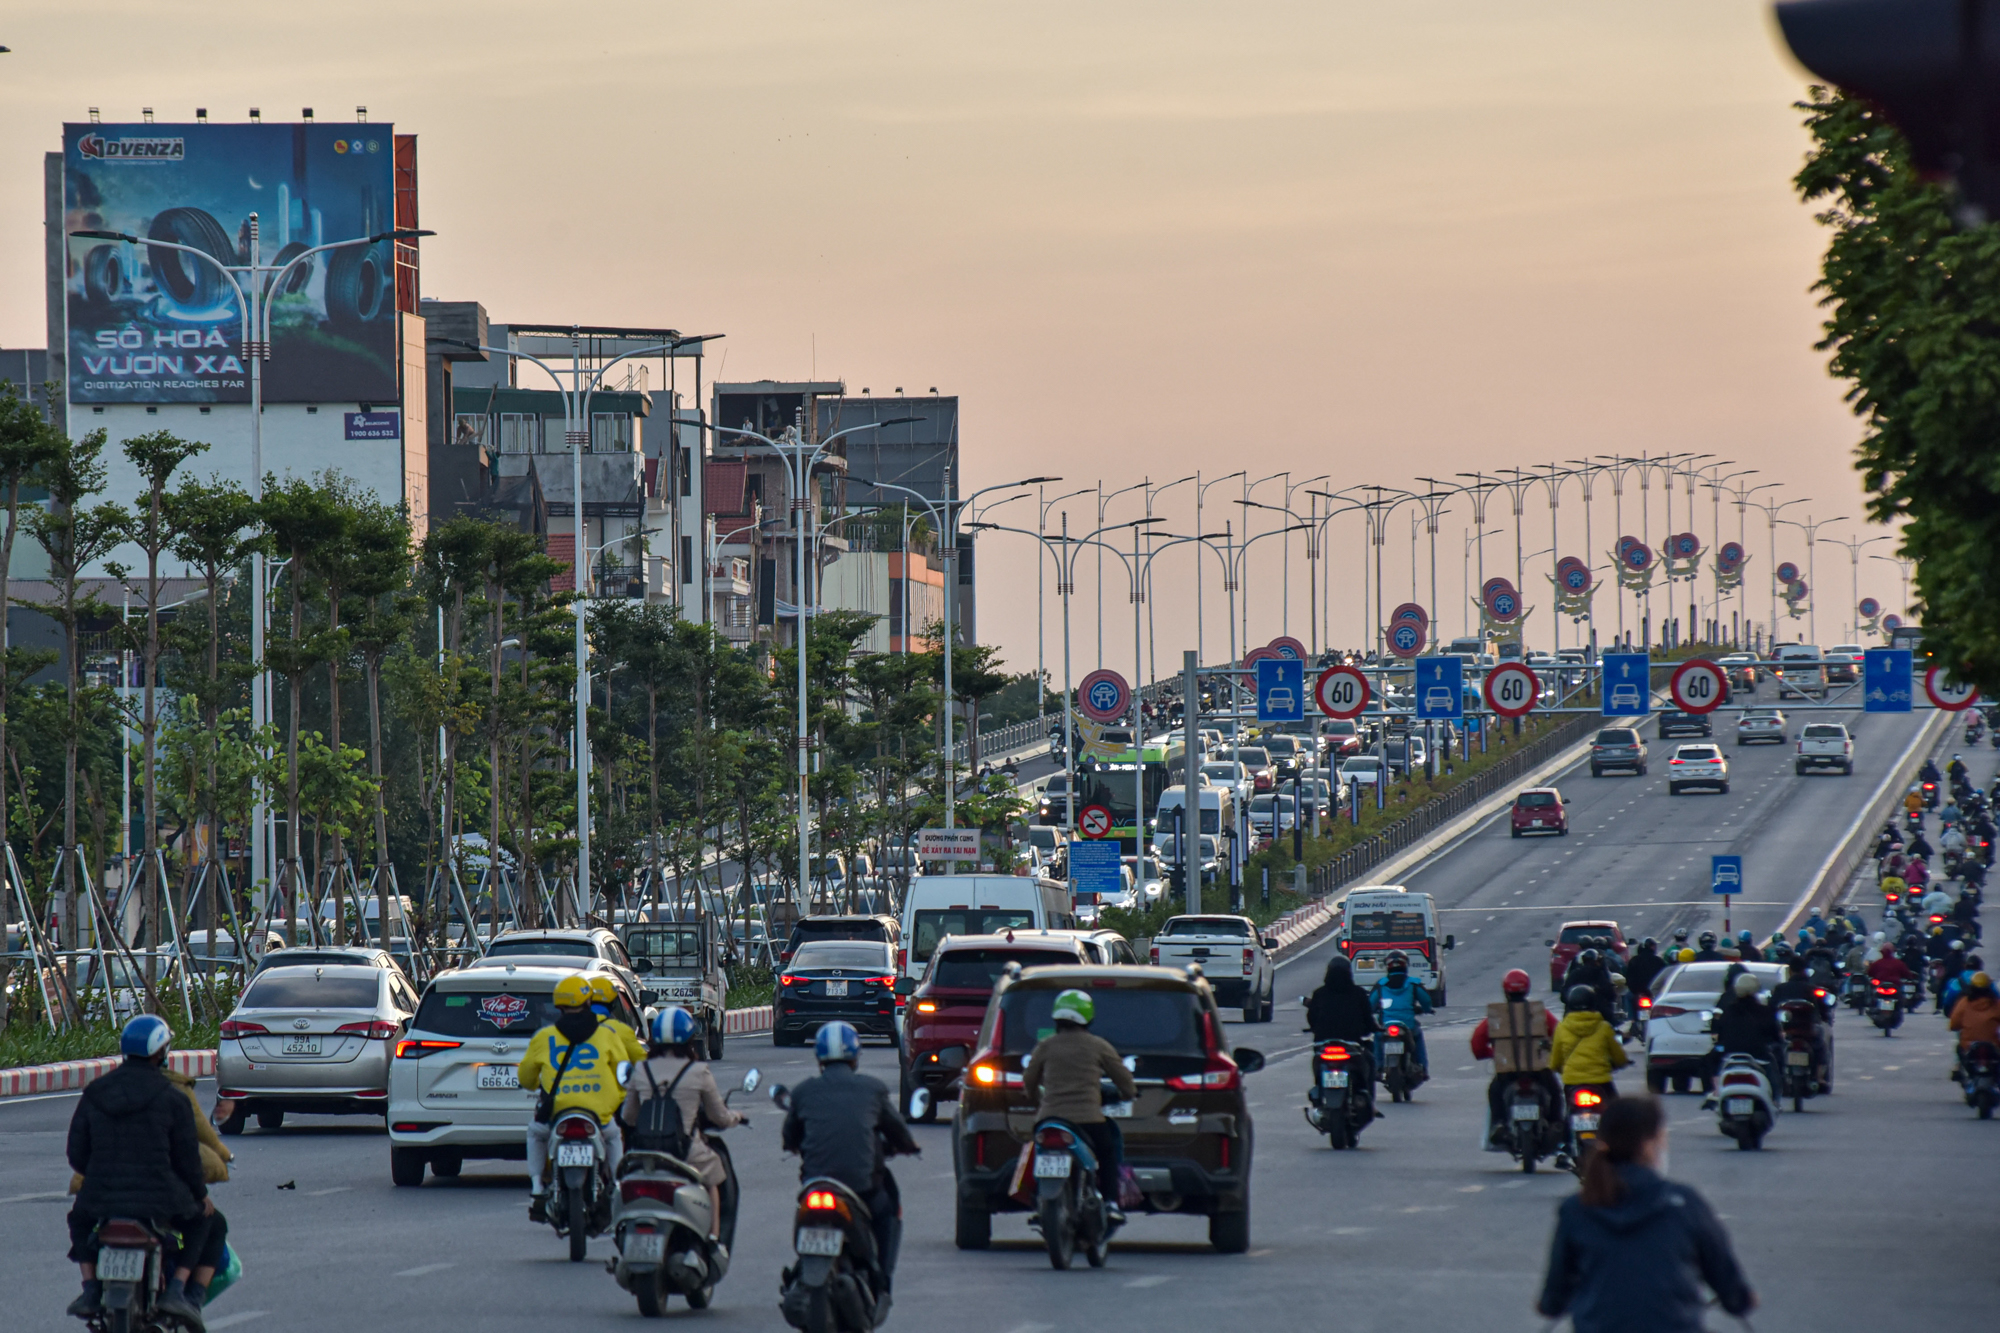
pixel 680 962
pixel 1824 745
pixel 1232 954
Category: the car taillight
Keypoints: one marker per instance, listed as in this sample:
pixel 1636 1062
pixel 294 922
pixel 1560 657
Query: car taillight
pixel 1585 1097
pixel 902 960
pixel 1664 1010
pixel 1673 761
pixel 1819 992
pixel 1053 1138
pixel 881 981
pixel 1334 1052
pixel 375 1030
pixel 788 980
pixel 631 1191
pixel 926 1006
pixel 236 1028
pixel 1220 1073
pixel 411 1048
pixel 576 1128
pixel 1156 955
pixel 1249 961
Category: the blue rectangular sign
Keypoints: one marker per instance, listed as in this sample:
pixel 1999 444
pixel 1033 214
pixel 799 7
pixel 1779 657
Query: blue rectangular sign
pixel 1281 690
pixel 1440 687
pixel 1725 874
pixel 1093 870
pixel 1886 678
pixel 1628 685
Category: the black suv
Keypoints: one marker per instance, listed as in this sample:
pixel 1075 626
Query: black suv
pixel 1617 747
pixel 809 928
pixel 1187 1134
pixel 1676 723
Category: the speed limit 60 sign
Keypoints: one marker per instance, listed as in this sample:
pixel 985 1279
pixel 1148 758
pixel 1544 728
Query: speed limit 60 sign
pixel 1698 686
pixel 1342 691
pixel 1511 689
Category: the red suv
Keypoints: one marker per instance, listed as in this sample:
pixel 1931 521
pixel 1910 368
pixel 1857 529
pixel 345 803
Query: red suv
pixel 941 1022
pixel 1575 937
pixel 1540 810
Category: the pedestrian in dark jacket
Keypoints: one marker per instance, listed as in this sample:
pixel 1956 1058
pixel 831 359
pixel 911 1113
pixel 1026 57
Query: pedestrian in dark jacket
pixel 1631 1248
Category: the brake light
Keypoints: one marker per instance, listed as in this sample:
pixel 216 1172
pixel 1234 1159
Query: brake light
pixel 1220 1073
pixel 1936 917
pixel 374 1030
pixel 787 979
pixel 411 1048
pixel 1249 961
pixel 576 1128
pixel 926 1006
pixel 987 1073
pixel 881 981
pixel 1395 1029
pixel 1051 1137
pixel 1585 1097
pixel 1645 1002
pixel 1667 1010
pixel 1156 955
pixel 1819 992
pixel 902 960
pixel 1738 1080
pixel 822 1201
pixel 1334 1052
pixel 235 1028
pixel 631 1191
pixel 1673 761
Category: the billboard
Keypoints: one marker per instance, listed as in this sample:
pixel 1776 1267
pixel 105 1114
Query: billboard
pixel 153 325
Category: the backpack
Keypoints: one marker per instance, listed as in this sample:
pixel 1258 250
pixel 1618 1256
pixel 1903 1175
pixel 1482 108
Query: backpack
pixel 659 1126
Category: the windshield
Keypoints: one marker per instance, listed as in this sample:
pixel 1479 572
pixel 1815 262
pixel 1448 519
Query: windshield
pixel 831 954
pixel 1359 762
pixel 979 969
pixel 1821 732
pixel 512 1012
pixel 1255 757
pixel 1533 799
pixel 542 949
pixel 1136 1022
pixel 1226 772
pixel 1587 936
pixel 1383 926
pixel 1057 784
pixel 1617 737
pixel 934 924
pixel 666 946
pixel 1150 870
pixel 1699 752
pixel 1707 978
pixel 1206 925
pixel 1284 745
pixel 303 990
pixel 1339 728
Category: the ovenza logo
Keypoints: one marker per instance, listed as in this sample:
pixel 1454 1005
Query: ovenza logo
pixel 97 148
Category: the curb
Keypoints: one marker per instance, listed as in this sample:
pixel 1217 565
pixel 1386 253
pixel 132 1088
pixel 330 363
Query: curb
pixel 742 1022
pixel 71 1074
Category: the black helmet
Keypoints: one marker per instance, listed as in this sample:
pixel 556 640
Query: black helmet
pixel 1707 940
pixel 1681 934
pixel 1397 964
pixel 1590 956
pixel 1580 997
pixel 1648 944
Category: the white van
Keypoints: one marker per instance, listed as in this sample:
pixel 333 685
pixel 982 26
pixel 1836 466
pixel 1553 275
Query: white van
pixel 1380 919
pixel 1218 812
pixel 941 905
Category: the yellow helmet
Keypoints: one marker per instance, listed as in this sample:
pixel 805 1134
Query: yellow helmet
pixel 572 992
pixel 602 991
pixel 1687 955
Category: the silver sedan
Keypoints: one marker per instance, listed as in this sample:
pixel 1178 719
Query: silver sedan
pixel 317 1040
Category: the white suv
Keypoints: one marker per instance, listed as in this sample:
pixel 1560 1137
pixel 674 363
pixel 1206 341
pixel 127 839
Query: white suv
pixel 1697 766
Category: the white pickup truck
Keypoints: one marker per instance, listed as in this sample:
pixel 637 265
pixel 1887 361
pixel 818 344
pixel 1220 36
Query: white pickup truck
pixel 1234 957
pixel 1824 745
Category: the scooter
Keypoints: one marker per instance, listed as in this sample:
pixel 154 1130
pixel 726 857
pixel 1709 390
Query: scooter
pixel 661 1223
pixel 131 1263
pixel 1885 1006
pixel 835 1285
pixel 1797 1020
pixel 1979 1073
pixel 1744 1107
pixel 579 1205
pixel 1341 1101
pixel 1401 1074
pixel 1069 1211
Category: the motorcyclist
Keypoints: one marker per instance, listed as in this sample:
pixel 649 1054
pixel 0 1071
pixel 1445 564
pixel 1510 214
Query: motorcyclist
pixel 1589 969
pixel 1918 848
pixel 670 1057
pixel 844 1126
pixel 1913 804
pixel 1339 1011
pixel 1745 1026
pixel 1746 944
pixel 1797 986
pixel 1929 772
pixel 1680 942
pixel 1976 1017
pixel 1954 989
pixel 1956 770
pixel 1708 953
pixel 1065 1071
pixel 133 1140
pixel 1644 967
pixel 1398 999
pixel 574 1058
pixel 1586 1050
pixel 1514 989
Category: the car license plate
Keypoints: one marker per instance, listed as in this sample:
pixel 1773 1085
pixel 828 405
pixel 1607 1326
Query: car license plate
pixel 302 1046
pixel 121 1265
pixel 1392 1048
pixel 499 1076
pixel 1584 1123
pixel 1526 1111
pixel 1118 1110
pixel 836 988
pixel 823 1241
pixel 575 1154
pixel 1535 822
pixel 1333 1078
pixel 644 1247
pixel 1052 1166
pixel 1737 1106
pixel 1799 1059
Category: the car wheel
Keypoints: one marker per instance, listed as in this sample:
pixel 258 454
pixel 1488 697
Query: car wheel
pixel 1847 770
pixel 1642 770
pixel 1596 772
pixel 1514 832
pixel 233 1123
pixel 1253 1009
pixel 447 1165
pixel 1725 789
pixel 1270 1002
pixel 1799 769
pixel 1656 1083
pixel 1229 1233
pixel 274 1119
pixel 715 1036
pixel 1439 1000
pixel 1673 789
pixel 1563 831
pixel 974 1227
pixel 406 1166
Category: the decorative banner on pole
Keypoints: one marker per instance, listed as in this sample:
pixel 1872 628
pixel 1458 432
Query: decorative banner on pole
pixel 1502 601
pixel 1870 608
pixel 1683 556
pixel 1728 566
pixel 1575 586
pixel 1407 638
pixel 1412 612
pixel 1795 597
pixel 1286 646
pixel 1254 656
pixel 1788 572
pixel 1635 564
pixel 1103 696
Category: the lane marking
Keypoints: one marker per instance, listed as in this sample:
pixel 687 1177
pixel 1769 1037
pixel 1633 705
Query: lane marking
pixel 1031 1328
pixel 423 1269
pixel 1151 1280
pixel 1595 907
pixel 28 1198
pixel 337 1189
pixel 1352 1231
pixel 231 1320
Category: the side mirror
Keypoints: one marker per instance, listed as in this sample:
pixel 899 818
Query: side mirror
pixel 781 1096
pixel 920 1103
pixel 905 986
pixel 751 1079
pixel 642 965
pixel 624 1072
pixel 1305 999
pixel 1550 943
pixel 1247 1060
pixel 1270 941
pixel 1451 942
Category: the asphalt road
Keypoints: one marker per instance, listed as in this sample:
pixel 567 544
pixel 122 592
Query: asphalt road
pixel 1871 1209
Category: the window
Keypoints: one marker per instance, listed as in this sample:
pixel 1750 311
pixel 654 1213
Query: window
pixel 300 990
pixel 1387 927
pixel 1529 799
pixel 1137 1022
pixel 831 953
pixel 610 432
pixel 1617 736
pixel 543 949
pixel 1206 925
pixel 932 926
pixel 1587 936
pixel 979 969
pixel 469 428
pixel 667 946
pixel 485 1013
pixel 1823 732
pixel 520 433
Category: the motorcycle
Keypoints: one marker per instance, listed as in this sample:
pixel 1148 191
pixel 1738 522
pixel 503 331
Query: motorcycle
pixel 1401 1074
pixel 1885 1006
pixel 1744 1107
pixel 131 1263
pixel 1979 1074
pixel 836 1283
pixel 579 1205
pixel 1930 796
pixel 1797 1020
pixel 1585 1110
pixel 1069 1210
pixel 1340 1105
pixel 661 1223
pixel 1529 1131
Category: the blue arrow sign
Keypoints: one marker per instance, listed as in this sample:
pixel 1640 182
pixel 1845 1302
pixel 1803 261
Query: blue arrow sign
pixel 1440 687
pixel 1281 690
pixel 1725 874
pixel 1093 869
pixel 1628 689
pixel 1886 679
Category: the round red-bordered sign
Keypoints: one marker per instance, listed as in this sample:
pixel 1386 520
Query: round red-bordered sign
pixel 1342 692
pixel 1948 695
pixel 1256 655
pixel 1287 646
pixel 1407 638
pixel 1698 686
pixel 1094 821
pixel 1511 689
pixel 1103 696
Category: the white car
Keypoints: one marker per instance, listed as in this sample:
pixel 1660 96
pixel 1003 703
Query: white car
pixel 1365 769
pixel 1679 1035
pixel 1762 724
pixel 1697 766
pixel 1231 774
pixel 1269 807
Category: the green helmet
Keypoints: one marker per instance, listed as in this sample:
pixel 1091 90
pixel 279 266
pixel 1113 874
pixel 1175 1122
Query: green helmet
pixel 1075 1006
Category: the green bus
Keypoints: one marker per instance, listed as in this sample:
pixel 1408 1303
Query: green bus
pixel 1112 783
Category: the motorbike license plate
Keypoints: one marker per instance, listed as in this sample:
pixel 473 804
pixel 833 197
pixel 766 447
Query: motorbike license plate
pixel 1392 1048
pixel 1333 1078
pixel 836 988
pixel 1737 1106
pixel 1526 1111
pixel 822 1241
pixel 575 1154
pixel 121 1265
pixel 1879 1003
pixel 1118 1110
pixel 1052 1166
pixel 1798 1059
pixel 1584 1123
pixel 644 1247
pixel 302 1046
pixel 499 1076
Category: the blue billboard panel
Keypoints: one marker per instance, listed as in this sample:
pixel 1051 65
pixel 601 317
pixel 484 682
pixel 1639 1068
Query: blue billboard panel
pixel 153 324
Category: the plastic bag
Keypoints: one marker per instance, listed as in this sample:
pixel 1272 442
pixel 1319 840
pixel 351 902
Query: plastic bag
pixel 225 1276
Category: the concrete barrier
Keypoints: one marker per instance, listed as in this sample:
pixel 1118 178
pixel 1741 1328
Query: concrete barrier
pixel 69 1075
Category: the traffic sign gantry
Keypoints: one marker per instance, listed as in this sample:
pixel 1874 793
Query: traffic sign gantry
pixel 1103 696
pixel 1885 680
pixel 1342 692
pixel 1698 686
pixel 1440 687
pixel 1627 685
pixel 1094 821
pixel 1281 690
pixel 1946 693
pixel 1511 689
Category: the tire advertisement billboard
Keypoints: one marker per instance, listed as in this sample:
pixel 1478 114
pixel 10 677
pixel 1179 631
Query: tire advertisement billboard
pixel 149 324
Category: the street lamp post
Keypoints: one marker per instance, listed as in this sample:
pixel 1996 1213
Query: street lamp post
pixel 1811 530
pixel 1854 546
pixel 1200 619
pixel 1771 524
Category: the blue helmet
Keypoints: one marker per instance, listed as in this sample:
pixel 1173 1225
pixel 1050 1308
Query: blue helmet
pixel 837 1042
pixel 672 1026
pixel 146 1035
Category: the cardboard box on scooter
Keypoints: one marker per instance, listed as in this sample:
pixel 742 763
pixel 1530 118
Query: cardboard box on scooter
pixel 1520 1033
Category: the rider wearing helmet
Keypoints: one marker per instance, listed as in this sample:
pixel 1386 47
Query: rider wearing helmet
pixel 1064 1071
pixel 1514 988
pixel 1587 1050
pixel 1706 952
pixel 671 1070
pixel 1797 985
pixel 1590 970
pixel 1746 1026
pixel 1644 968
pixel 575 1059
pixel 844 1127
pixel 134 1142
pixel 1396 998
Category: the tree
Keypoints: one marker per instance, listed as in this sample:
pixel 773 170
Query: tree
pixel 1914 326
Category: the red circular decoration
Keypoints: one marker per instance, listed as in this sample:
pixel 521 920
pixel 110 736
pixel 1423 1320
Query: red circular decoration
pixel 1342 692
pixel 1504 695
pixel 1286 646
pixel 1103 696
pixel 1698 686
pixel 1951 702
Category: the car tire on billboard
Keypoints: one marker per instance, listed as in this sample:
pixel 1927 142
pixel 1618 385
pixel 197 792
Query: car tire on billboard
pixel 296 280
pixel 357 291
pixel 103 273
pixel 186 279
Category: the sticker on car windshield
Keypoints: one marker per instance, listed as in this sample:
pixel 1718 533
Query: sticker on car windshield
pixel 503 1011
